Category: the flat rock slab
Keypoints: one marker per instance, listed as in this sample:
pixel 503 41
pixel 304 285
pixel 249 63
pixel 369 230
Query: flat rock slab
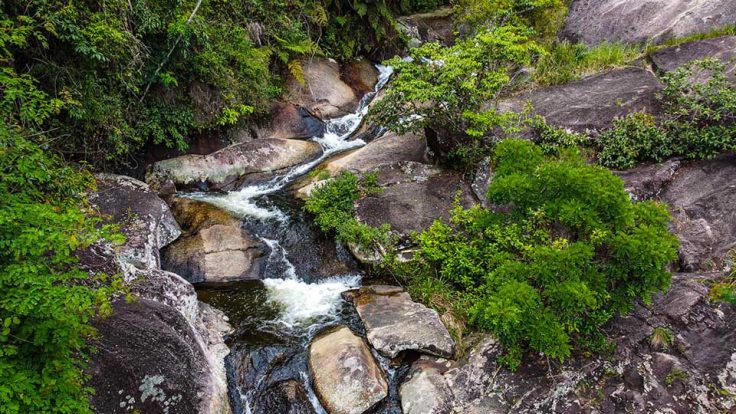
pixel 394 323
pixel 644 21
pixel 346 376
pixel 721 48
pixel 413 197
pixel 594 102
pixel 224 169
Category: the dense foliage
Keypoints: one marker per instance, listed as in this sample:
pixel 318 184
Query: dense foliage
pixel 565 251
pixel 698 120
pixel 47 303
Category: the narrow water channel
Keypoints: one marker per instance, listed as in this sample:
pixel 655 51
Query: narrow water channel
pixel 305 275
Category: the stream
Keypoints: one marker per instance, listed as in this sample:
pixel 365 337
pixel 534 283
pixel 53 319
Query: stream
pixel 305 274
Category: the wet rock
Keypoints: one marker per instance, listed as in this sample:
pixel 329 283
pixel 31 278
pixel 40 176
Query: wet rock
pixel 425 390
pixel 270 377
pixel 644 21
pixel 647 181
pixel 150 360
pixel 145 219
pixel 721 48
pixel 388 149
pixel 594 102
pixel 215 248
pixel 323 93
pixel 226 168
pixel 414 202
pixel 288 397
pixel 394 323
pixel 346 377
pixel 361 75
pixel 701 197
pixel 436 26
pixel 634 379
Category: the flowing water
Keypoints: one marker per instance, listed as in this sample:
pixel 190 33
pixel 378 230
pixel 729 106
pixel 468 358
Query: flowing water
pixel 305 275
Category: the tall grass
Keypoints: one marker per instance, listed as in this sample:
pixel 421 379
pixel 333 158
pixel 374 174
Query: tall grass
pixel 567 61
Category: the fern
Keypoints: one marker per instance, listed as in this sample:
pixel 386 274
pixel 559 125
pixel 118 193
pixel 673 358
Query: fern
pixel 297 71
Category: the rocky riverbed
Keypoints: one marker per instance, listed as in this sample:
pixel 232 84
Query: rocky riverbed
pixel 284 319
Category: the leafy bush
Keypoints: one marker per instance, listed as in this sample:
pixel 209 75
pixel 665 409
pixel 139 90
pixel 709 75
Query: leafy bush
pixel 46 303
pixel 633 139
pixel 565 252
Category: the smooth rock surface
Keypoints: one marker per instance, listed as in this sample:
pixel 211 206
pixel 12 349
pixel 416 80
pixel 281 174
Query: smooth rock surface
pixel 394 323
pixel 215 248
pixel 225 169
pixel 425 390
pixel 646 181
pixel 324 93
pixel 345 374
pixel 594 102
pixel 361 75
pixel 292 122
pixel 644 21
pixel 145 219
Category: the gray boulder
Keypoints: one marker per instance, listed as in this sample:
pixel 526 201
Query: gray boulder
pixel 228 167
pixel 215 248
pixel 394 323
pixel 692 374
pixel 646 181
pixel 144 218
pixel 644 21
pixel 346 376
pixel 292 122
pixel 594 102
pixel 721 48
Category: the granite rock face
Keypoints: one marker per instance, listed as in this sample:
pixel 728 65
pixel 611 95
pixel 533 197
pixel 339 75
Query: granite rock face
pixel 324 93
pixel 145 219
pixel 436 26
pixel 394 323
pixel 346 376
pixel 682 377
pixel 594 102
pixel 721 48
pixel 644 21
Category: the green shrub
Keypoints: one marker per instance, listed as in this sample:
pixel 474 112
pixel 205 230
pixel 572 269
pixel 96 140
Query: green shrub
pixel 566 251
pixel 633 139
pixel 46 302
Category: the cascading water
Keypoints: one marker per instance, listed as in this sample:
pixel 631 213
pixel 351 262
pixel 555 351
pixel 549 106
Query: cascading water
pixel 281 314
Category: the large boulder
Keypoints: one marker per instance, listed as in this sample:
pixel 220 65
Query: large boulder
pixel 701 197
pixel 644 21
pixel 361 75
pixel 721 48
pixel 291 121
pixel 346 376
pixel 646 181
pixel 215 248
pixel 694 373
pixel 323 93
pixel 144 218
pixel 390 148
pixel 594 102
pixel 150 359
pixel 436 26
pixel 225 169
pixel 394 323
pixel 413 197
